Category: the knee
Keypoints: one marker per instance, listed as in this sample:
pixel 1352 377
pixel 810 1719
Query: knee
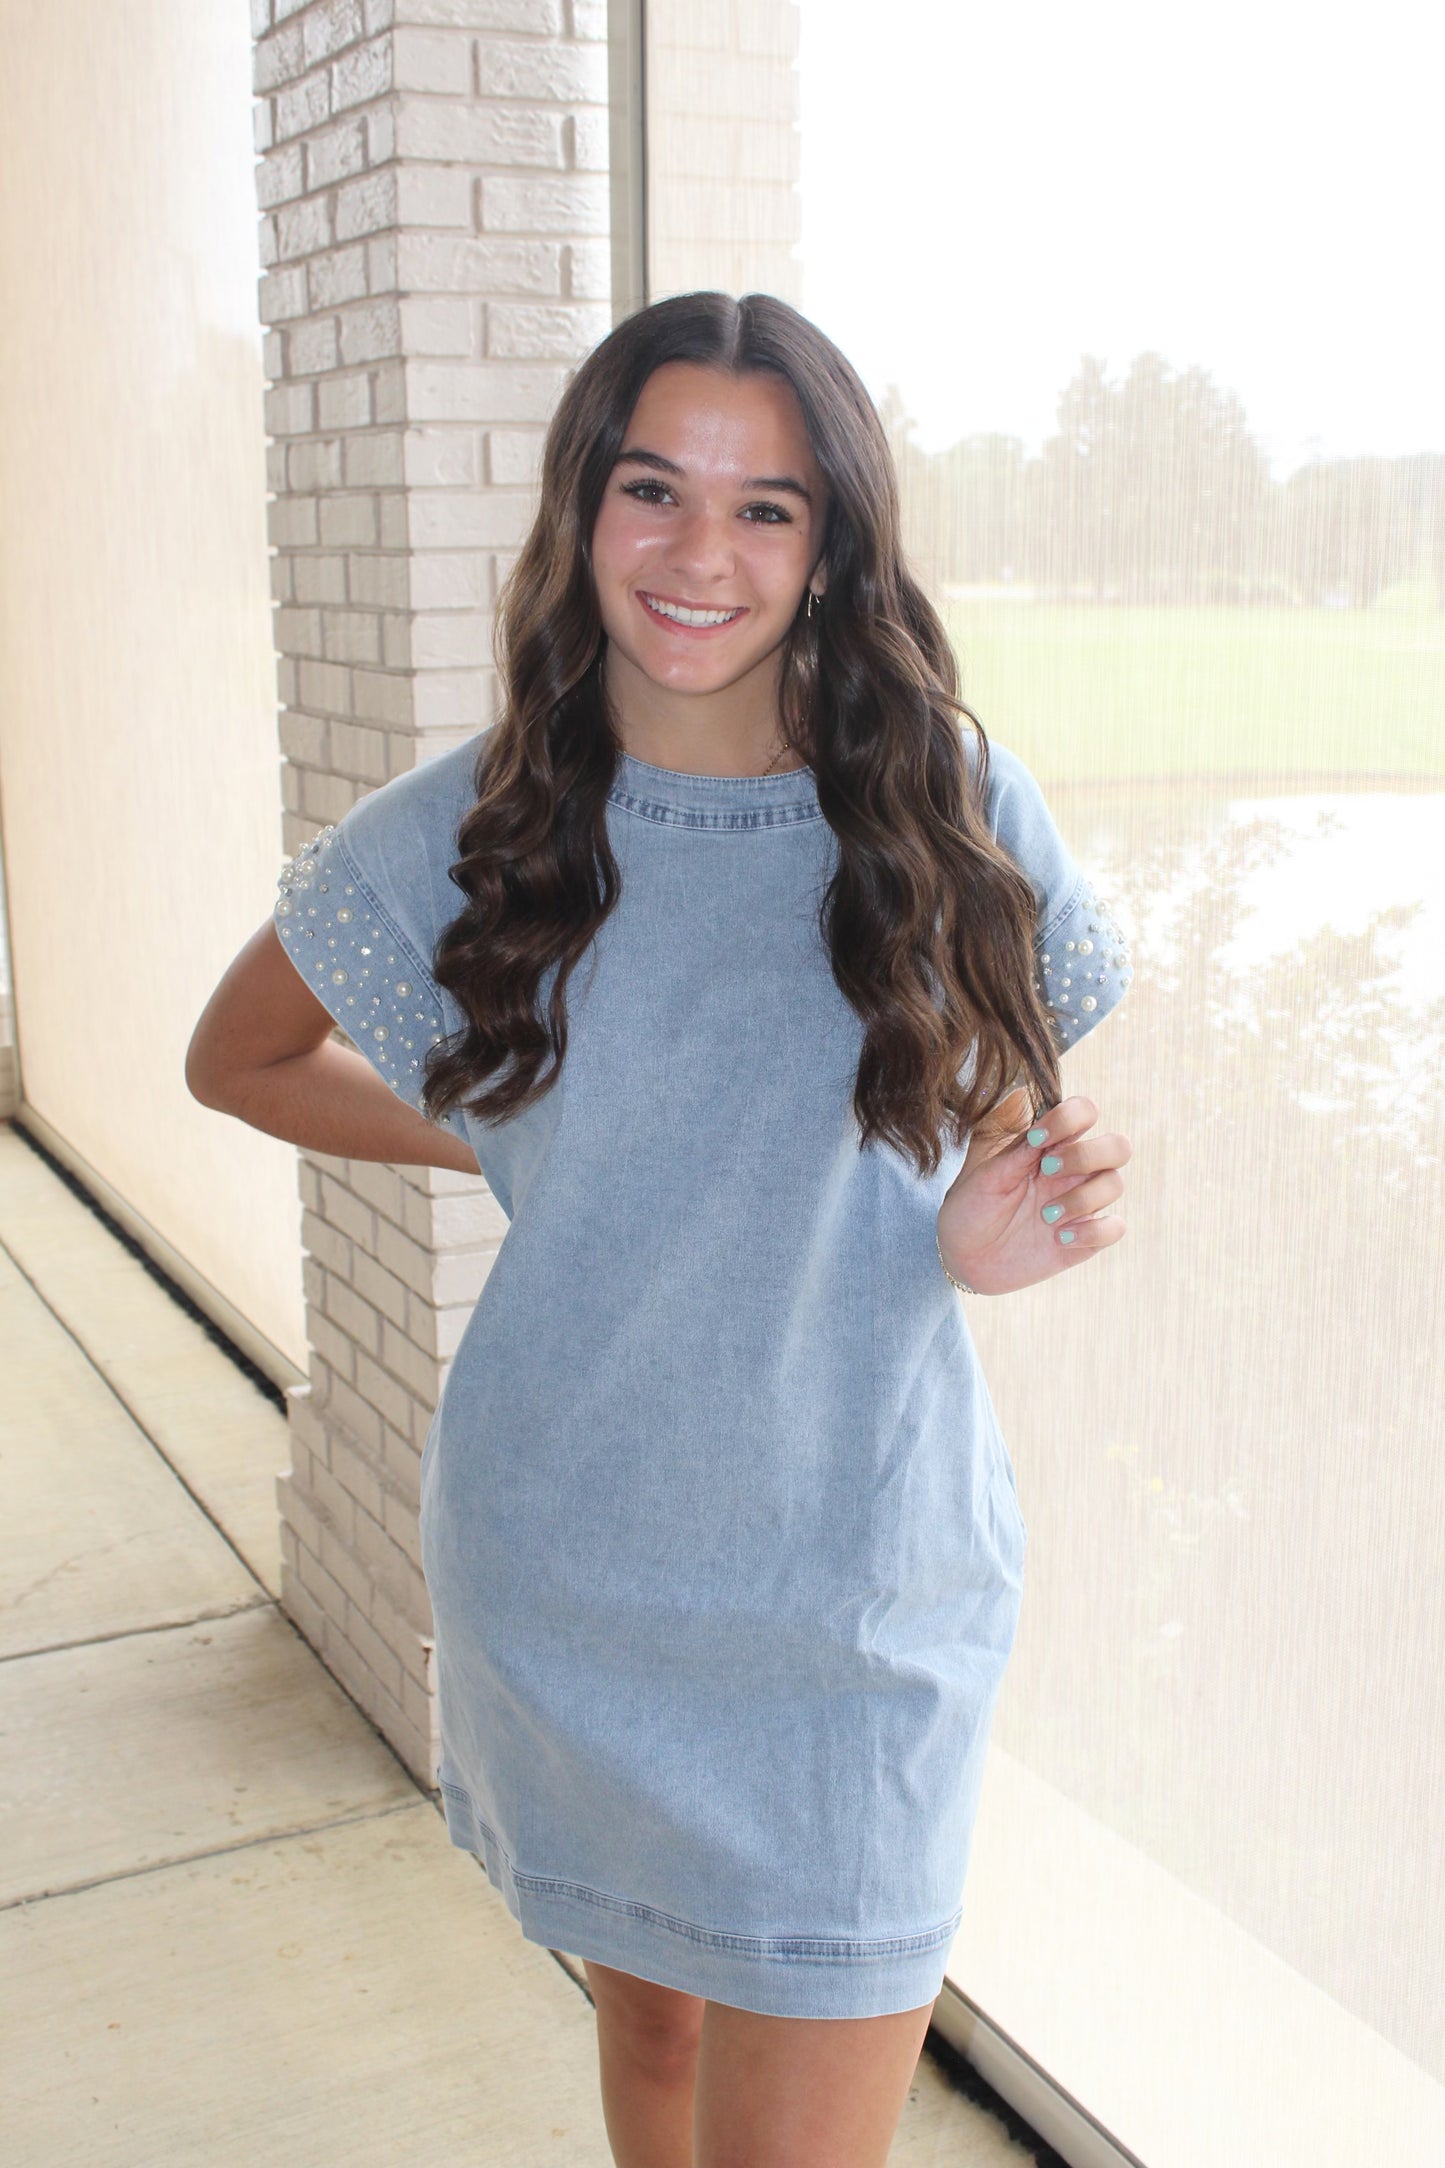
pixel 655 2030
pixel 661 2045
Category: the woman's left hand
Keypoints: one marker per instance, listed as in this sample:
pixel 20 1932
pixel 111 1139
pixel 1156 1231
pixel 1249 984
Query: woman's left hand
pixel 992 1228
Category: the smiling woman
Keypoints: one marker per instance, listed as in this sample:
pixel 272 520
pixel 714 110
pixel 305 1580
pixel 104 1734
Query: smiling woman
pixel 701 563
pixel 834 653
pixel 719 1529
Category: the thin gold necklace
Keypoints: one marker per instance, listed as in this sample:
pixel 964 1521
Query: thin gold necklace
pixel 787 745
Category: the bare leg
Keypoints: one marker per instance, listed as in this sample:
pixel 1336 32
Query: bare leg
pixel 647 2045
pixel 784 2092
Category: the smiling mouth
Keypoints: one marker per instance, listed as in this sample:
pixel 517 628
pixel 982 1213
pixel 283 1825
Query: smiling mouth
pixel 681 613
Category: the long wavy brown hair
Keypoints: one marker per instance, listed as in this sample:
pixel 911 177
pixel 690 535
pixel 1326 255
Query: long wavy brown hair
pixel 928 922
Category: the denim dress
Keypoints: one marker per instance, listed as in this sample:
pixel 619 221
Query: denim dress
pixel 720 1533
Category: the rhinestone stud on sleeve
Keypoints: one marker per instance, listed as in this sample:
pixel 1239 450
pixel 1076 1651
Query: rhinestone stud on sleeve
pixel 356 963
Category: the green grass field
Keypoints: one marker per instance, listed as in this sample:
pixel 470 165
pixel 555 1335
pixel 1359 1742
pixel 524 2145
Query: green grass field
pixel 1084 693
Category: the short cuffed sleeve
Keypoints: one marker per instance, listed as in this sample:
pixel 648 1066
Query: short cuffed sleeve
pixel 361 907
pixel 1082 959
pixel 358 962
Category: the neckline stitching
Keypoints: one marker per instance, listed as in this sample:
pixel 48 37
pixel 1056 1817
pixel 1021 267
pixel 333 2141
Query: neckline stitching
pixel 687 775
pixel 738 820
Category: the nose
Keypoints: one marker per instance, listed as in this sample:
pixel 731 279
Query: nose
pixel 701 546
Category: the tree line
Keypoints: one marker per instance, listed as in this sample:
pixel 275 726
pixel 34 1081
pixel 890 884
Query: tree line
pixel 1152 490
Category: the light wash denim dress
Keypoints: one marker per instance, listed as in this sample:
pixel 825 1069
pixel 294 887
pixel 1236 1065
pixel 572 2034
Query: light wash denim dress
pixel 720 1532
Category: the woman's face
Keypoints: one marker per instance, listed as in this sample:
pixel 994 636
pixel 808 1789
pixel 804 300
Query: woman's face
pixel 710 526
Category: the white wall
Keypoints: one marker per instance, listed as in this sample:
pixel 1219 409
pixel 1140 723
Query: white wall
pixel 139 769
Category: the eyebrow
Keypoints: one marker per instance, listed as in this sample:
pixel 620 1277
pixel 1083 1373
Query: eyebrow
pixel 783 484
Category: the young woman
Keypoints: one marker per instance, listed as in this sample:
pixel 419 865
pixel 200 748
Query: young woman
pixel 740 964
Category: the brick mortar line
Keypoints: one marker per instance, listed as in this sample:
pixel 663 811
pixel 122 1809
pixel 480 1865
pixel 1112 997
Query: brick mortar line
pixel 335 1647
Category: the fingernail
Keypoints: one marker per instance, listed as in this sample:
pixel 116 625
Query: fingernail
pixel 1066 1234
pixel 1053 1212
pixel 1038 1136
pixel 1050 1163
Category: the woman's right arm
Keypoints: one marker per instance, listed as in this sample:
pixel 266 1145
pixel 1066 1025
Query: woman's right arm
pixel 262 1051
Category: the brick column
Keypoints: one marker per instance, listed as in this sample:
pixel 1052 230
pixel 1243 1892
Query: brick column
pixel 433 192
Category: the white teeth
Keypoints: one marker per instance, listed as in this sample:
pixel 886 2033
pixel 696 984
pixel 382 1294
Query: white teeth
pixel 680 616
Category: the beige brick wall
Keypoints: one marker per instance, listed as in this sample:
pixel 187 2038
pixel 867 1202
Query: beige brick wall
pixel 433 201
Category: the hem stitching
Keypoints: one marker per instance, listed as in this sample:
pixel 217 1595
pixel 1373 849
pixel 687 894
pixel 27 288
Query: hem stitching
pixel 788 1948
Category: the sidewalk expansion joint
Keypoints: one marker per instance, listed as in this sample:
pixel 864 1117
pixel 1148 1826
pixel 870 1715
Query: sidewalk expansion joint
pixel 215 1851
pixel 158 1626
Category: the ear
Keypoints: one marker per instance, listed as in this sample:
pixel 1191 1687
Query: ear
pixel 818 579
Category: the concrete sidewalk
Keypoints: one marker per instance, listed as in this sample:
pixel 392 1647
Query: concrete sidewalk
pixel 233 1932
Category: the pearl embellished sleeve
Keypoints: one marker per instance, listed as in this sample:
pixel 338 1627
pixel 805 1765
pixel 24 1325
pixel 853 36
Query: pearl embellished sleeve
pixel 1082 966
pixel 357 960
pixel 1081 955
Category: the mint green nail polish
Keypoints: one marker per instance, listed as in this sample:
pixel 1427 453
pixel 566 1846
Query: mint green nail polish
pixel 1038 1136
pixel 1053 1212
pixel 1050 1163
pixel 1066 1234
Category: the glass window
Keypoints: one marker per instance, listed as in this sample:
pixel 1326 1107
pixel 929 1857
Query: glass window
pixel 1148 301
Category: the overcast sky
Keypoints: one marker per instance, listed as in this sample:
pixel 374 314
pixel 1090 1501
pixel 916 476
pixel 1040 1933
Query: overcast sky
pixel 1253 188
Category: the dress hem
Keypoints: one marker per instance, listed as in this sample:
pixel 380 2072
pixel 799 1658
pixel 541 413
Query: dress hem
pixel 777 1976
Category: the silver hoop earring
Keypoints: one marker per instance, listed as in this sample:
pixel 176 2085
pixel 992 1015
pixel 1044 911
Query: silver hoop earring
pixel 815 603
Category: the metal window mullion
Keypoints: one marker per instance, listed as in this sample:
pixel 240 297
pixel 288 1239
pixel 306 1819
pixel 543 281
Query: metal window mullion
pixel 627 134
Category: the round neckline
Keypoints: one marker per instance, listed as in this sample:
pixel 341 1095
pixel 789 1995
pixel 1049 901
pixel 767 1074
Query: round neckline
pixel 677 787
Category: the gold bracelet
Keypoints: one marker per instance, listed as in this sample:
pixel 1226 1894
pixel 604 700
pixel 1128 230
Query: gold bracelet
pixel 962 1285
